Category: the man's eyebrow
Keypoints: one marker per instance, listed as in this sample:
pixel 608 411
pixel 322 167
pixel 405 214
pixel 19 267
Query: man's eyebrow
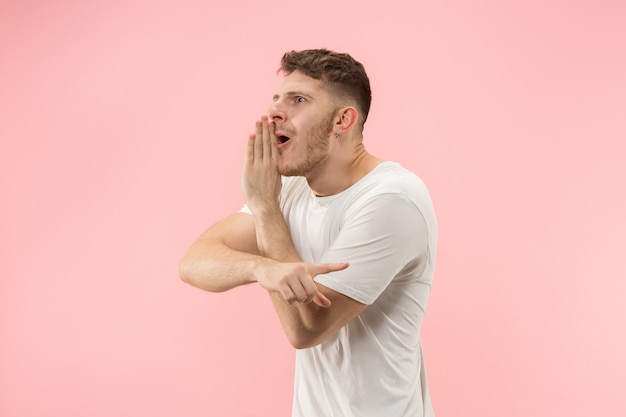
pixel 293 94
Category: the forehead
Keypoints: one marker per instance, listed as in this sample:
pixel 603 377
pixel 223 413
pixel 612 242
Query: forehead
pixel 299 82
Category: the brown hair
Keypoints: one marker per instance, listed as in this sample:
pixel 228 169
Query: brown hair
pixel 341 74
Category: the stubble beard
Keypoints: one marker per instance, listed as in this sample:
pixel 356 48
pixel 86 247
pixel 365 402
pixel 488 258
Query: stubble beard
pixel 317 141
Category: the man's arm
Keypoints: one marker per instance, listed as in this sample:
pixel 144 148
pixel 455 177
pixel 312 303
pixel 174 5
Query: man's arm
pixel 306 323
pixel 223 257
pixel 226 256
pixel 244 248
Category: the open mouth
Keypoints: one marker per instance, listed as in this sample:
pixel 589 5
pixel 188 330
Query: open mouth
pixel 283 138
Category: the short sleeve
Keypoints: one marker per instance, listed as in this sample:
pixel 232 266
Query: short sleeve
pixel 379 239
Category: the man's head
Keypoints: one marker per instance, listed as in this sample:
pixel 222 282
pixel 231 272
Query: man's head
pixel 343 77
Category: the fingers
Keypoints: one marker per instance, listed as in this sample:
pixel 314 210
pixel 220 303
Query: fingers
pixel 310 290
pixel 300 293
pixel 310 295
pixel 297 294
pixel 273 142
pixel 317 269
pixel 301 288
pixel 258 142
pixel 321 300
pixel 265 142
pixel 250 149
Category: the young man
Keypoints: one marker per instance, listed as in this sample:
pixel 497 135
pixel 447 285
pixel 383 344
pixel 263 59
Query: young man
pixel 343 242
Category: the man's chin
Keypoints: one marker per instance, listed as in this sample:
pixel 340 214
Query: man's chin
pixel 288 171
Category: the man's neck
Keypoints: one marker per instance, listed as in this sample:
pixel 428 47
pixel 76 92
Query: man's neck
pixel 338 174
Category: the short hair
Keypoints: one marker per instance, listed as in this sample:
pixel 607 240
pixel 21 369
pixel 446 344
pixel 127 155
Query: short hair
pixel 341 74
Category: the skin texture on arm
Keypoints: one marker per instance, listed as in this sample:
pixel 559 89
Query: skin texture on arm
pixel 223 257
pixel 318 311
pixel 226 256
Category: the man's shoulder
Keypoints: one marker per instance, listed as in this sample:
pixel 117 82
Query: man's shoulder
pixel 392 178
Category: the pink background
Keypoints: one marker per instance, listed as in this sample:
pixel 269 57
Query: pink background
pixel 123 126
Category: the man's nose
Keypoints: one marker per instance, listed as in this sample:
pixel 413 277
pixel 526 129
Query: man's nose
pixel 276 112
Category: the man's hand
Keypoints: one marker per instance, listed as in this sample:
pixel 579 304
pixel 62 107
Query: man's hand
pixel 294 281
pixel 260 180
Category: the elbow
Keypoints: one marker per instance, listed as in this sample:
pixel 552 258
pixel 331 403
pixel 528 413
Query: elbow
pixel 303 345
pixel 199 275
pixel 188 273
pixel 304 330
pixel 303 339
pixel 185 271
pixel 300 344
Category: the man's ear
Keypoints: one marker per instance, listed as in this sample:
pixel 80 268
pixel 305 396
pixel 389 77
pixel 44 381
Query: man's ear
pixel 346 119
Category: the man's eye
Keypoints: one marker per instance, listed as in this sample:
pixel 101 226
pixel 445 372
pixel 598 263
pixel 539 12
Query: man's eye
pixel 300 99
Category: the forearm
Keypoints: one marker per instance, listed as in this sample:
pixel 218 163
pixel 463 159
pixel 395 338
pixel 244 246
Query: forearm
pixel 298 319
pixel 273 238
pixel 212 266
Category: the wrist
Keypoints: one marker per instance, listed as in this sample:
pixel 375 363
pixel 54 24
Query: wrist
pixel 267 211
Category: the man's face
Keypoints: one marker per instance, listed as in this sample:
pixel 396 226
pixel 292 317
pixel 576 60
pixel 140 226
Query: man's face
pixel 303 113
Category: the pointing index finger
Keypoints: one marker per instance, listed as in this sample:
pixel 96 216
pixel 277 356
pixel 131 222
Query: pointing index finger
pixel 329 267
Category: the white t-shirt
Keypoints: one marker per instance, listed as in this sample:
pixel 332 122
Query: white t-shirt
pixel 385 226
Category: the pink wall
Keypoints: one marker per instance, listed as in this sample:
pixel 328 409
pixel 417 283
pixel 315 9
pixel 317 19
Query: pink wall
pixel 122 128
